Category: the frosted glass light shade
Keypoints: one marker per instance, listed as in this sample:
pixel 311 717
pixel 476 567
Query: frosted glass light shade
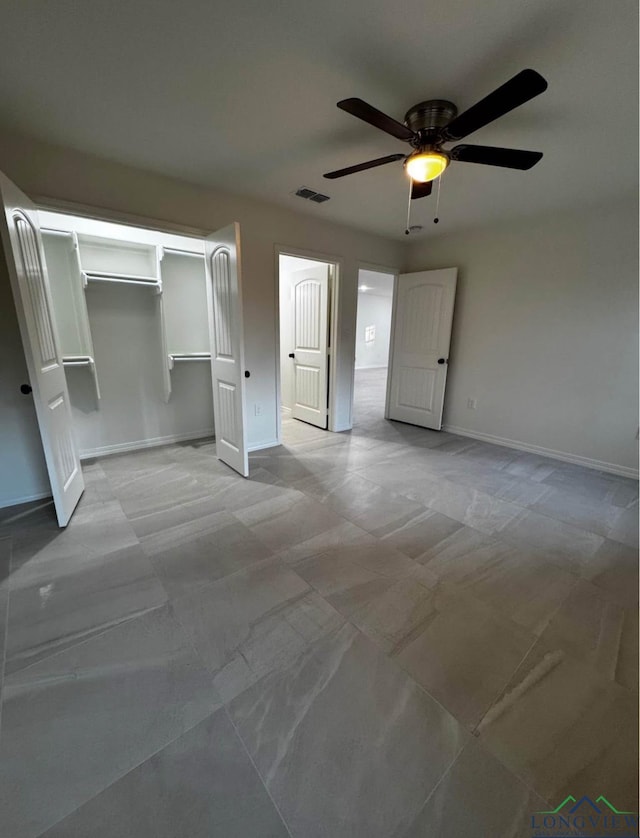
pixel 424 166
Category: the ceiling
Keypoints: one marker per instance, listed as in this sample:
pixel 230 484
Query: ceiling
pixel 242 96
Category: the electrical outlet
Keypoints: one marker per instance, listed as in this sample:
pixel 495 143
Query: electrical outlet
pixel 257 409
pixel 472 404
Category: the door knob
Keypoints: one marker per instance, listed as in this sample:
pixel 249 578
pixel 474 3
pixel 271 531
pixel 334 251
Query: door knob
pixel 292 354
pixel 442 360
pixel 25 389
pixel 247 374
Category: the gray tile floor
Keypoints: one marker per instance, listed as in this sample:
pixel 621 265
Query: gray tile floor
pixel 392 632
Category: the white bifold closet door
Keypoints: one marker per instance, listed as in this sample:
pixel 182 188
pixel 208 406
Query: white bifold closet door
pixel 24 254
pixel 311 345
pixel 224 292
pixel 421 334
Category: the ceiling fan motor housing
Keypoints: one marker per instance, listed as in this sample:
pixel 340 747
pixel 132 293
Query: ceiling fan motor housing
pixel 428 118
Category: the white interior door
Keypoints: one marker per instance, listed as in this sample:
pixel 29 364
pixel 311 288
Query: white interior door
pixel 224 293
pixel 421 333
pixel 24 254
pixel 311 345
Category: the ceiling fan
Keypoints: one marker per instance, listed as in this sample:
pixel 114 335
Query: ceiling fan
pixel 429 125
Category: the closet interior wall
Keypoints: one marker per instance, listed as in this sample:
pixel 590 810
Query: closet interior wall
pixel 131 312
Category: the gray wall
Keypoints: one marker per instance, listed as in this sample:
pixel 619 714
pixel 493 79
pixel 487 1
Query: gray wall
pixel 545 331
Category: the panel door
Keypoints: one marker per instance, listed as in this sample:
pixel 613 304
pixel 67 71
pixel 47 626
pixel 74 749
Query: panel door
pixel 24 253
pixel 224 294
pixel 311 345
pixel 423 314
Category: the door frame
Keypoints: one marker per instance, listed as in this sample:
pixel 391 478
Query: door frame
pixel 145 222
pixel 334 318
pixel 394 272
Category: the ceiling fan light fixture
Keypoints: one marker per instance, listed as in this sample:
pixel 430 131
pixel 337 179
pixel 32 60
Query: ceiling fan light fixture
pixel 423 166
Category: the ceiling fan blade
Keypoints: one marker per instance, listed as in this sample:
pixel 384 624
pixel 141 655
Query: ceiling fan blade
pixel 510 158
pixel 524 86
pixel 421 190
pixel 356 107
pixel 360 167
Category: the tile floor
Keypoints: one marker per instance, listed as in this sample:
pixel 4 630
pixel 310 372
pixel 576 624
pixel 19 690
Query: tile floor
pixel 392 632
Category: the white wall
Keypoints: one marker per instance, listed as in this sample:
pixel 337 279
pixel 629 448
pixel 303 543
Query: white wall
pixel 63 174
pixel 545 332
pixel 373 310
pixel 132 408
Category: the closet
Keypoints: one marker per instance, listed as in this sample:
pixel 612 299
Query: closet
pixel 130 308
pixel 132 337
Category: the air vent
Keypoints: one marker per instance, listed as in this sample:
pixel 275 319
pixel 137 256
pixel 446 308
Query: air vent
pixel 311 195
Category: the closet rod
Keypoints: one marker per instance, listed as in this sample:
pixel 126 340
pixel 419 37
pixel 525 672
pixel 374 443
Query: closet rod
pixel 123 279
pixel 188 356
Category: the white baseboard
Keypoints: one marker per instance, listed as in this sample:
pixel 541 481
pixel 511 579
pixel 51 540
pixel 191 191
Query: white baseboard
pixel 136 445
pixel 599 465
pixel 259 446
pixel 285 409
pixel 24 499
pixel 372 367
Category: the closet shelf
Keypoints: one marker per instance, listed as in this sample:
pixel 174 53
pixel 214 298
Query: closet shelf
pixel 176 251
pixel 51 231
pixel 188 356
pixel 83 361
pixel 124 279
pixel 77 361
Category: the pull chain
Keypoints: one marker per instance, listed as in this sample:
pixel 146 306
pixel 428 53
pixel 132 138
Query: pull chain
pixel 406 232
pixel 437 219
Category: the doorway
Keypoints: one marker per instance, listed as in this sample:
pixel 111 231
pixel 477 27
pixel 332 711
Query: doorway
pixel 306 294
pixel 403 331
pixel 373 339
